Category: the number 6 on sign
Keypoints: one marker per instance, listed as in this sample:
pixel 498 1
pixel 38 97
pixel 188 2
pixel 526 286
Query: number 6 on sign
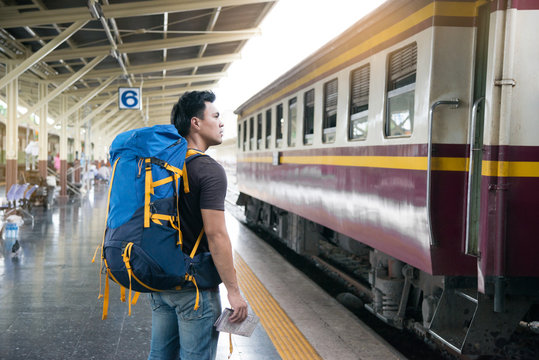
pixel 129 98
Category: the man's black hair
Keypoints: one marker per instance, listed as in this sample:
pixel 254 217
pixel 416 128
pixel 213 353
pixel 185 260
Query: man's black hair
pixel 191 104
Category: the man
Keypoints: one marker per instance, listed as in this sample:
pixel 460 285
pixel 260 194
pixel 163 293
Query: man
pixel 178 329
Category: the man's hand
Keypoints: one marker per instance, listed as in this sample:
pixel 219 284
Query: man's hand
pixel 239 305
pixel 221 252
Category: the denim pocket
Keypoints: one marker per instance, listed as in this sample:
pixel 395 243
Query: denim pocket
pixel 186 300
pixel 155 301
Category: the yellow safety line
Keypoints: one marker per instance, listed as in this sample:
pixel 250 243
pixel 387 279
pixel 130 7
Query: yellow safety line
pixel 285 336
pixel 282 325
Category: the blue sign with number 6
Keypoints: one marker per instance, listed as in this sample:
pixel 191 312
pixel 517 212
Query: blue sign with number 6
pixel 129 98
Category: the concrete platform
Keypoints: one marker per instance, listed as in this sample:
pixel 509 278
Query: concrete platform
pixel 49 307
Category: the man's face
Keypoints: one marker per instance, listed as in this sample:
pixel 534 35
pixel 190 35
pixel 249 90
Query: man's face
pixel 211 127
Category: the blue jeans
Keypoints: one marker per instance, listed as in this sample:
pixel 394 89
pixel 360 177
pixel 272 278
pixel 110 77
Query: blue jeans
pixel 177 329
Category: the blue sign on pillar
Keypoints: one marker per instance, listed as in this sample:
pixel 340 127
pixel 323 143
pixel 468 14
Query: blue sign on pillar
pixel 129 98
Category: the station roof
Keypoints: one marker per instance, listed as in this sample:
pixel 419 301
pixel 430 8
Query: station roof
pixel 87 49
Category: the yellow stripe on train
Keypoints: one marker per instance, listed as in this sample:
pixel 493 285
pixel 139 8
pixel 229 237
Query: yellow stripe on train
pixel 384 162
pixel 489 168
pixel 510 168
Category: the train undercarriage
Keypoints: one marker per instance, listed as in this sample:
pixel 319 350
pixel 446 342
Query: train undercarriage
pixel 446 310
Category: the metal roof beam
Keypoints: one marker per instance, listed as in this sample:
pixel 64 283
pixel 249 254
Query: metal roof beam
pixel 38 55
pixel 154 45
pixel 124 127
pixel 99 109
pixel 178 80
pixel 165 102
pixel 87 98
pixel 157 94
pixel 70 80
pixel 104 119
pixel 174 92
pixel 104 125
pixel 127 117
pixel 160 114
pixel 157 67
pixel 11 17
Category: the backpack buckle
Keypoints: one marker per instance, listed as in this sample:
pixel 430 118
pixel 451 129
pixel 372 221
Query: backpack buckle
pixel 159 162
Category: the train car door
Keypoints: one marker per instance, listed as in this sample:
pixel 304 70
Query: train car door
pixel 476 131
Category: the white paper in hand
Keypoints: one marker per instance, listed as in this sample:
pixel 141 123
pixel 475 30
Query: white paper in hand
pixel 244 328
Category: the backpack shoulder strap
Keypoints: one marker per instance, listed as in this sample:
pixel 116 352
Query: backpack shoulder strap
pixel 190 155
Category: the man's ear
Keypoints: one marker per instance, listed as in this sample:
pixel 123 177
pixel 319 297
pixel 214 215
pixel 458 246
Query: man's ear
pixel 194 122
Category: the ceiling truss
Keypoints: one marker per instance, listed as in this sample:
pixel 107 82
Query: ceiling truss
pixel 85 49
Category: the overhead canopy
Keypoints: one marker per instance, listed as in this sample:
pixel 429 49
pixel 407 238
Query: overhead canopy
pixel 87 49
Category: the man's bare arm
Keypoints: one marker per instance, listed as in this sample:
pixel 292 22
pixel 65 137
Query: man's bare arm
pixel 221 251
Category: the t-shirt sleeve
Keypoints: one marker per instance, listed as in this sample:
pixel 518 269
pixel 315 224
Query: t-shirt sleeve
pixel 213 185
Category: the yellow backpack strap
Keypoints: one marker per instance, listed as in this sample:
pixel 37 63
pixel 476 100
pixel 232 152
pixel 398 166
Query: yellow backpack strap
pixel 106 298
pixel 162 181
pixel 185 179
pixel 190 152
pixel 104 232
pixel 126 258
pixel 135 298
pixel 147 191
pixel 193 252
pixel 156 218
pixel 190 277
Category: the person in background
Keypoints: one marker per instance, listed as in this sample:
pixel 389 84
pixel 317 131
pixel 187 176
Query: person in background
pixel 104 173
pixel 57 162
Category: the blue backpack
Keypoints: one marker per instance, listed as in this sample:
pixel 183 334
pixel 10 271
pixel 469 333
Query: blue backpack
pixel 142 244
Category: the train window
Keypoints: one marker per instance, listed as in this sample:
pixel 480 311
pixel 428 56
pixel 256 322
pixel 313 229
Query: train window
pixel 359 103
pixel 268 128
pixel 258 131
pixel 401 91
pixel 292 119
pixel 252 133
pixel 279 125
pixel 330 111
pixel 244 135
pixel 308 117
pixel 238 136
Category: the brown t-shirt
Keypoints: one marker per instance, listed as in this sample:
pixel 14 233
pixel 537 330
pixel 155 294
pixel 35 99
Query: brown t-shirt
pixel 207 190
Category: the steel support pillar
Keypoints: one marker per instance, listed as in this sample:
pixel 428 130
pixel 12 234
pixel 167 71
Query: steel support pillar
pixel 12 130
pixel 43 133
pixel 62 199
pixel 78 147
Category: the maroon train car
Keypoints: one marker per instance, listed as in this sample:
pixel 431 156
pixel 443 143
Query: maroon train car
pixel 412 138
